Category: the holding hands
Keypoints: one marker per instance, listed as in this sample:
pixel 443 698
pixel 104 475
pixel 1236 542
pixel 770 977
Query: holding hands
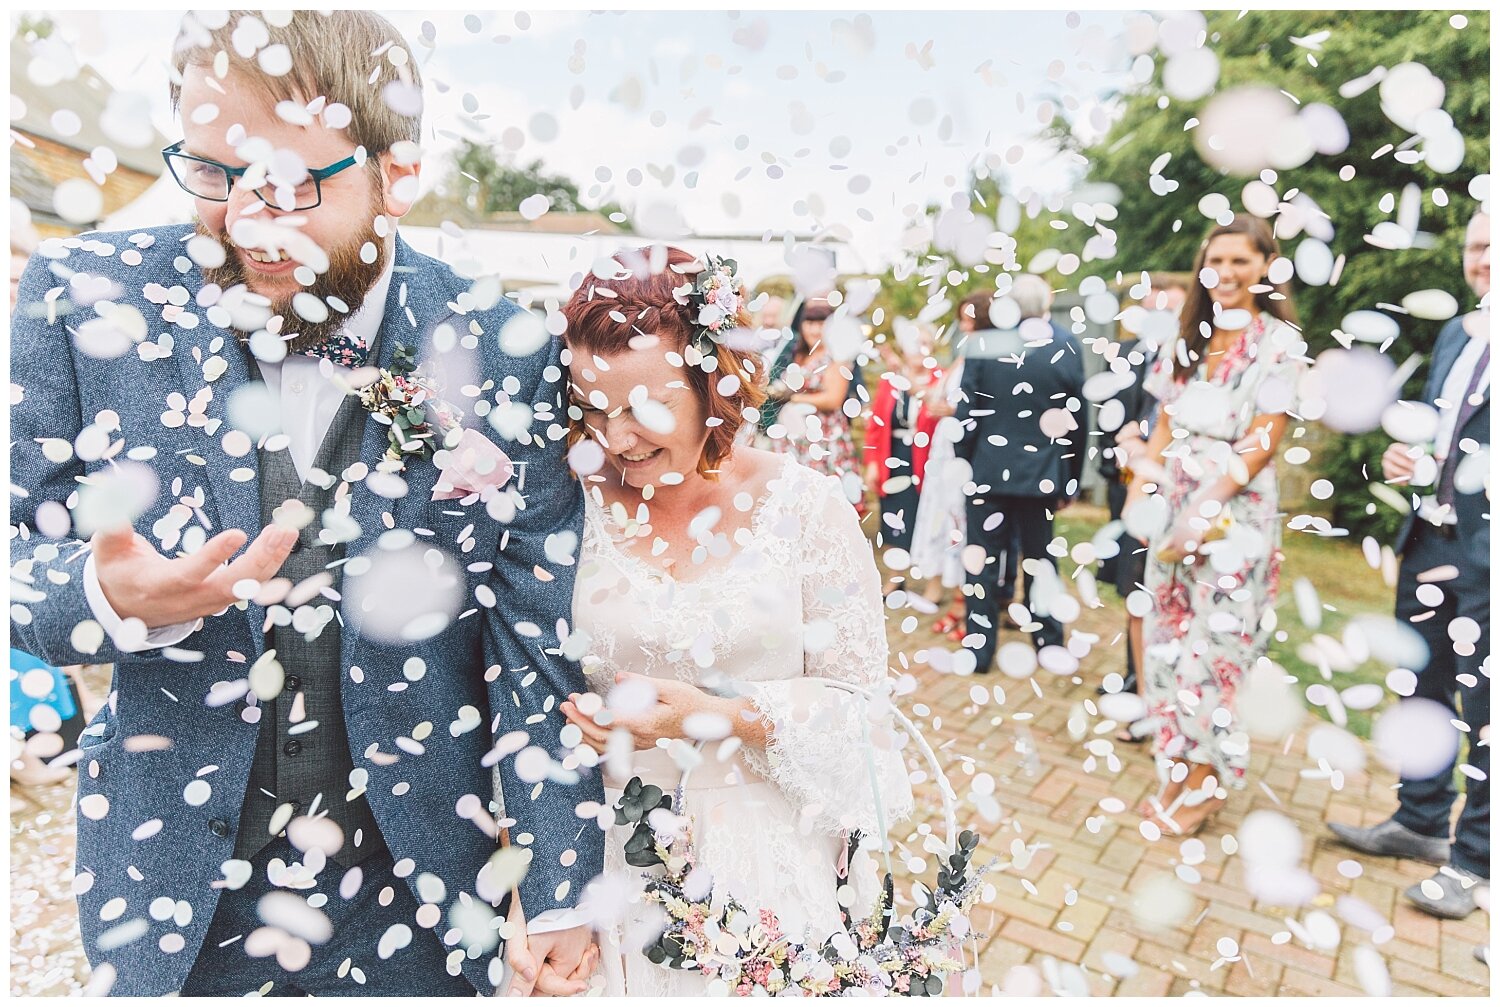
pixel 664 717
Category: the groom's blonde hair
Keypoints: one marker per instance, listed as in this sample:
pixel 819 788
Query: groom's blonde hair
pixel 346 56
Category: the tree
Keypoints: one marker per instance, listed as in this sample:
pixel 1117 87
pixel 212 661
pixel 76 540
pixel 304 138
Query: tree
pixel 491 186
pixel 930 282
pixel 1163 232
pixel 484 184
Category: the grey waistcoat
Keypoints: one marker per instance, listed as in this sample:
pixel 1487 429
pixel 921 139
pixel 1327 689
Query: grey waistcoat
pixel 300 767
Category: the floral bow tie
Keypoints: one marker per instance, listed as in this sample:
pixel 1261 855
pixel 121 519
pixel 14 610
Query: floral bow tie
pixel 342 349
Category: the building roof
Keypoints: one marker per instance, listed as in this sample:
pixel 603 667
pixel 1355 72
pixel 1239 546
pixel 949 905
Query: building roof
pixel 86 96
pixel 29 185
pixel 433 209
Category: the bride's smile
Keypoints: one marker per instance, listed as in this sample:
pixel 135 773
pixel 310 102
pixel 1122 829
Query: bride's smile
pixel 639 410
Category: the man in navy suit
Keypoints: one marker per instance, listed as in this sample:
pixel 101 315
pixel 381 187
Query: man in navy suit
pixel 1443 592
pixel 292 788
pixel 1023 433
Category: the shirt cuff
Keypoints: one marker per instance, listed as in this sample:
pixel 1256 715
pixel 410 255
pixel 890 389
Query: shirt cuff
pixel 130 636
pixel 557 919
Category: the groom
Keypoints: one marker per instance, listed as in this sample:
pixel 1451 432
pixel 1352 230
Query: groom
pixel 291 787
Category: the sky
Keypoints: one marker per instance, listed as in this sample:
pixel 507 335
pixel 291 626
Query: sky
pixel 731 124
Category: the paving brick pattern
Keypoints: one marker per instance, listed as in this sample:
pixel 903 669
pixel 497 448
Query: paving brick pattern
pixel 1073 904
pixel 1069 914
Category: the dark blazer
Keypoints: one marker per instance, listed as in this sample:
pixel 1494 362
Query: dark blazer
pixel 1471 509
pixel 1007 386
pixel 1140 406
pixel 501 660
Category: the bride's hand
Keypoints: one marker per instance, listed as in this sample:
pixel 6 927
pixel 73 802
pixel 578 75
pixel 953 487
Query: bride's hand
pixel 674 702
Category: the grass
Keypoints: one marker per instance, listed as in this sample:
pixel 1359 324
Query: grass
pixel 1345 585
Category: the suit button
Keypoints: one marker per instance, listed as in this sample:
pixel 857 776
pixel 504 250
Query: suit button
pixel 292 747
pixel 219 827
pixel 297 545
pixel 292 684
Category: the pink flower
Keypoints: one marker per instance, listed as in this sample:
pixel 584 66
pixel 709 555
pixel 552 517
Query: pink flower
pixel 475 465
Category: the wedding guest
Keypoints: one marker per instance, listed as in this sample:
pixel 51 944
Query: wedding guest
pixel 668 556
pixel 771 328
pixel 1022 397
pixel 1448 531
pixel 771 311
pixel 939 530
pixel 807 393
pixel 1135 413
pixel 1213 516
pixel 894 461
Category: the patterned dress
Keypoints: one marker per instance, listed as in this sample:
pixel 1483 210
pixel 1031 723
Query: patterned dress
pixel 1210 618
pixel 824 442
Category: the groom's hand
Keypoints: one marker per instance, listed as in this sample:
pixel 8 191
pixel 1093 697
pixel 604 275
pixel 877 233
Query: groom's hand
pixel 555 964
pixel 141 583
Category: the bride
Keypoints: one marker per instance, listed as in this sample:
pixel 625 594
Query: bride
pixel 719 587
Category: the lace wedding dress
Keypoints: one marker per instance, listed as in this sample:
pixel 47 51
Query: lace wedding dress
pixel 794 596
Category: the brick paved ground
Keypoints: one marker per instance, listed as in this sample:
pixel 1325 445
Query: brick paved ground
pixel 1067 914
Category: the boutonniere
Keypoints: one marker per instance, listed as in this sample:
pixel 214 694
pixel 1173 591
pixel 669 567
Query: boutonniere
pixel 420 423
pixel 404 398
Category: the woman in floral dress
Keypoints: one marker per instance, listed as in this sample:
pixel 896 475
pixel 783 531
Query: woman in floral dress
pixel 1205 496
pixel 810 424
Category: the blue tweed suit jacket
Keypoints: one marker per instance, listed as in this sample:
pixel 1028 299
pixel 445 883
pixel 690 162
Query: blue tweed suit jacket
pixel 501 655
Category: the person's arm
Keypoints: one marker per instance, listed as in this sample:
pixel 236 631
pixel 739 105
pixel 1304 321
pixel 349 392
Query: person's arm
pixel 878 437
pixel 818 743
pixel 1148 467
pixel 968 392
pixel 116 597
pixel 1072 364
pixel 1256 450
pixel 529 673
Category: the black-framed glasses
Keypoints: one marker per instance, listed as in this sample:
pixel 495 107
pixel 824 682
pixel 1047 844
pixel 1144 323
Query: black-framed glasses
pixel 208 179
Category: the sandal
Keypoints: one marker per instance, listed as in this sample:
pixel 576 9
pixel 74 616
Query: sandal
pixel 950 620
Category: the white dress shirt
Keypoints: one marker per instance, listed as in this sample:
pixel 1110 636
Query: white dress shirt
pixel 1448 403
pixel 307 398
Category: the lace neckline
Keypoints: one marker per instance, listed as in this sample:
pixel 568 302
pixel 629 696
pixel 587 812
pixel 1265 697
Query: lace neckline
pixel 608 530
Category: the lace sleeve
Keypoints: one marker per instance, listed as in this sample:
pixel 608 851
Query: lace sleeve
pixel 826 746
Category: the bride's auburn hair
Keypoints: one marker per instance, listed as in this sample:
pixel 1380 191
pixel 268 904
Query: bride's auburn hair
pixel 605 315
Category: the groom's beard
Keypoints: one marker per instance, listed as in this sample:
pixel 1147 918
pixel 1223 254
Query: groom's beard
pixel 348 278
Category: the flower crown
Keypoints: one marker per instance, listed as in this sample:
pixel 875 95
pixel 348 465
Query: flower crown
pixel 715 296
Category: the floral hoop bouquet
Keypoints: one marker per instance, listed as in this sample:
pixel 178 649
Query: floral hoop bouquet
pixel 879 954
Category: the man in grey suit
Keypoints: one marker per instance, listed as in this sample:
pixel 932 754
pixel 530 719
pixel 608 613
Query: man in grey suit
pixel 1023 434
pixel 1443 592
pixel 291 789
